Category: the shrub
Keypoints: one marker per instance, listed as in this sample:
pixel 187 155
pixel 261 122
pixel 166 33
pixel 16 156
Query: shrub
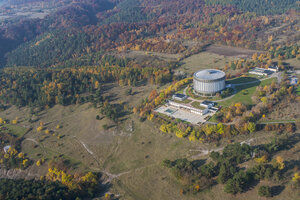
pixel 264 191
pixel 105 127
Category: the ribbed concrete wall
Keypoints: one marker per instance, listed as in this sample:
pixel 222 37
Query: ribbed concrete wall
pixel 209 86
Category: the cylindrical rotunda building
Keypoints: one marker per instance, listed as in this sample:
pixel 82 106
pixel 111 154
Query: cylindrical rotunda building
pixel 208 82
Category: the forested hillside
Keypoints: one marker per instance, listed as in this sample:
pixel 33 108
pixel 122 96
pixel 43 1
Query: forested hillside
pixel 87 27
pixel 269 7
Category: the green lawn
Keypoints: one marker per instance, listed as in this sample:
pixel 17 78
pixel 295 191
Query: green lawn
pixel 184 101
pixel 181 90
pixel 242 80
pixel 196 104
pixel 245 98
pixel 213 119
pixel 298 91
pixel 16 130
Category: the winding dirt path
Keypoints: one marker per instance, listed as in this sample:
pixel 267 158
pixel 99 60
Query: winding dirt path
pixel 87 149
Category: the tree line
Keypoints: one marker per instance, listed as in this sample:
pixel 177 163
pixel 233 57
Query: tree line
pixel 224 168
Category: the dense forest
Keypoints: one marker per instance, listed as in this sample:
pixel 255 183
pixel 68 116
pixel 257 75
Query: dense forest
pixel 72 85
pixel 18 189
pixel 87 27
pixel 269 7
pixel 45 189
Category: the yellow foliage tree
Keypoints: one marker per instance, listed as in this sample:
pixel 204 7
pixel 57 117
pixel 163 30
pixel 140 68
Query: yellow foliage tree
pixel 261 160
pixel 21 155
pixel 264 100
pixel 38 163
pixel 163 128
pixel 96 84
pixel 25 162
pixel 197 187
pixel 107 196
pixel 150 117
pixel 279 163
pixel 192 136
pixel 39 129
pixel 254 56
pixel 296 178
pixel 12 151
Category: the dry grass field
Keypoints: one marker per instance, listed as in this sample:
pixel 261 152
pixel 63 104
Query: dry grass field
pixel 231 51
pixel 215 56
pixel 285 110
pixel 293 63
pixel 204 60
pixel 131 160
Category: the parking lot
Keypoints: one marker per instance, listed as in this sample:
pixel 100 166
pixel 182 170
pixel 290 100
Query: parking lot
pixel 182 114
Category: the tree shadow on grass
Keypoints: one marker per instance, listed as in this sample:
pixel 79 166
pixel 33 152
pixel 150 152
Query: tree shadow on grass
pixel 198 163
pixel 276 190
pixel 242 80
pixel 112 97
pixel 251 185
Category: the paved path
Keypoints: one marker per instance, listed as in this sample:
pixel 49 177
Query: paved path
pixel 184 91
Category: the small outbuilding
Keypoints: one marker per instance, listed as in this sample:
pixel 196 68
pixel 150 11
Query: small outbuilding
pixel 6 148
pixel 294 81
pixel 207 104
pixel 273 68
pixel 261 71
pixel 179 97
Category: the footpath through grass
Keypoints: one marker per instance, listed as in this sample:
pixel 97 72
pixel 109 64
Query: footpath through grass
pixel 245 92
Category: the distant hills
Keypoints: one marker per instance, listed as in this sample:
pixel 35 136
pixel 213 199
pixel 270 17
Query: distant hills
pixel 85 27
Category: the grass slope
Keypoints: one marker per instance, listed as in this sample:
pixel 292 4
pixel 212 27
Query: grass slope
pixel 245 98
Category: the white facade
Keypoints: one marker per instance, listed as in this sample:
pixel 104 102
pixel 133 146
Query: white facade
pixel 207 105
pixel 188 107
pixel 273 68
pixel 6 148
pixel 210 82
pixel 258 73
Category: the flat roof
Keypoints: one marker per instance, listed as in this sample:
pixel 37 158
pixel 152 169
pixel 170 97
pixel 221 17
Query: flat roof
pixel 207 102
pixel 209 74
pixel 273 67
pixel 179 95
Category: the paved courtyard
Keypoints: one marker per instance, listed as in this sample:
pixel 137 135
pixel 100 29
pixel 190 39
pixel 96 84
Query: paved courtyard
pixel 182 114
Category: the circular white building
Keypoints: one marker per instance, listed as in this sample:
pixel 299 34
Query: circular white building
pixel 208 82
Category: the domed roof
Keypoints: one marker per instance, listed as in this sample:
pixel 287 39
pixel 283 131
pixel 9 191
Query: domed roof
pixel 209 74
